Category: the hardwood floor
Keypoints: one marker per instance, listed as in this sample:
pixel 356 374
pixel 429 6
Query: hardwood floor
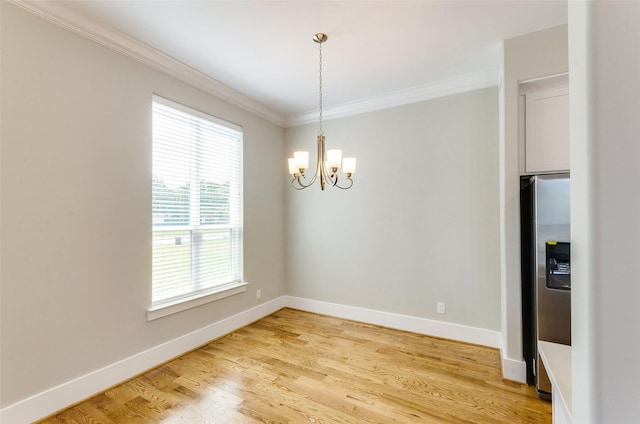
pixel 298 367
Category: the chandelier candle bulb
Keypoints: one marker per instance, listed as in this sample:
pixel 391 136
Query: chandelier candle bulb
pixel 349 166
pixel 292 167
pixel 301 160
pixel 334 157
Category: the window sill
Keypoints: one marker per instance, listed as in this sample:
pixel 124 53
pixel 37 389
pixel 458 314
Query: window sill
pixel 217 293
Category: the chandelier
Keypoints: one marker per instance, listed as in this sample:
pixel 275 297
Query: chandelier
pixel 328 161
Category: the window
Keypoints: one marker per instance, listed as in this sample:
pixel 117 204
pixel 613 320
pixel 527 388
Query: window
pixel 196 203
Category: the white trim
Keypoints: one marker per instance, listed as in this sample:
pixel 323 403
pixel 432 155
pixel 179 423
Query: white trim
pixel 429 327
pixel 162 310
pixel 198 113
pixel 513 369
pixel 70 392
pixel 61 14
pixel 442 88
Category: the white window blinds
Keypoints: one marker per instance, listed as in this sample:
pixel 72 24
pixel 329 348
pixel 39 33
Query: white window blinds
pixel 196 203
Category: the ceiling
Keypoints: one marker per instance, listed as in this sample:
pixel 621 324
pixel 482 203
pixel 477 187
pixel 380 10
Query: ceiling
pixel 378 52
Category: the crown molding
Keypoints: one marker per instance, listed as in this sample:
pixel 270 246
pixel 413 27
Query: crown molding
pixel 441 88
pixel 63 15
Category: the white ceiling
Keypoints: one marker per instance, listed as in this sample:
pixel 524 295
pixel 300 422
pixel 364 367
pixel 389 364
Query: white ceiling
pixel 376 49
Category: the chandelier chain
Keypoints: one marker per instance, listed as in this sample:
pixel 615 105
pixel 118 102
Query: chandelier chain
pixel 320 132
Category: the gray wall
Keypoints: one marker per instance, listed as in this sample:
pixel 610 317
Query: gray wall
pixel 420 224
pixel 76 215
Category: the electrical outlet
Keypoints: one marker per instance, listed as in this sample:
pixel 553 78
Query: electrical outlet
pixel 258 294
pixel 441 308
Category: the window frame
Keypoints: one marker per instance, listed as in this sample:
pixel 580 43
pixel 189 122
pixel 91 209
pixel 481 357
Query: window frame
pixel 199 297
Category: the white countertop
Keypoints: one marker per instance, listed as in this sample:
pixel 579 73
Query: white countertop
pixel 557 361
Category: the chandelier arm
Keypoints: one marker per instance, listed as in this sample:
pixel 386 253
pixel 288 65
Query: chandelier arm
pixel 301 185
pixel 313 180
pixel 344 187
pixel 332 177
pixel 322 160
pixel 295 187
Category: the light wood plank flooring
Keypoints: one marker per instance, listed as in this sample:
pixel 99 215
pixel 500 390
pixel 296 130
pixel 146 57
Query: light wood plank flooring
pixel 298 367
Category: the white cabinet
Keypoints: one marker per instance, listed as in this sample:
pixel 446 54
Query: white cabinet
pixel 546 126
pixel 557 362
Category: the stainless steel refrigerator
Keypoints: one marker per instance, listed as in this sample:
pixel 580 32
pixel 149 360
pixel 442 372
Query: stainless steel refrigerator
pixel 546 269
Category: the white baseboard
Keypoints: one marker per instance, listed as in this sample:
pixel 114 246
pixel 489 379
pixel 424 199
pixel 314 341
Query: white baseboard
pixel 513 369
pixel 429 327
pixel 59 397
pixel 68 393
